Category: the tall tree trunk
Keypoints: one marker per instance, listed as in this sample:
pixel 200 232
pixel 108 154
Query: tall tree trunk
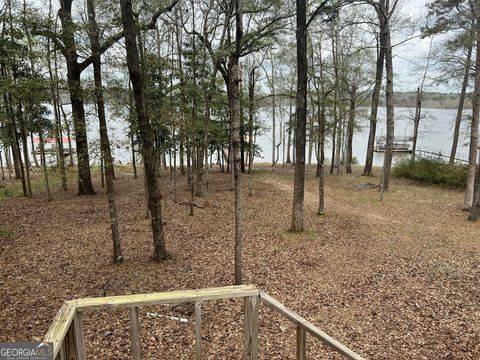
pixel 23 135
pixel 242 132
pixel 17 157
pixel 350 128
pixel 274 112
pixel 44 164
pixel 334 135
pixel 12 127
pixel 105 142
pixel 472 196
pixel 58 122
pixel 8 162
pixel 32 145
pixel 233 80
pixel 367 171
pixel 473 153
pixel 461 102
pixel 56 110
pixel 321 143
pixel 132 130
pixel 418 108
pixel 416 121
pixel 290 125
pixel 85 186
pixel 338 141
pixel 1 163
pixel 310 139
pixel 133 61
pixel 335 104
pixel 300 131
pixel 251 109
pixel 388 156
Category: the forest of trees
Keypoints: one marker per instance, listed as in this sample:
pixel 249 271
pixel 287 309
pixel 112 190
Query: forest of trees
pixel 191 78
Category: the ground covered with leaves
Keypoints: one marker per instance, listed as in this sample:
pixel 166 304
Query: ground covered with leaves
pixel 396 279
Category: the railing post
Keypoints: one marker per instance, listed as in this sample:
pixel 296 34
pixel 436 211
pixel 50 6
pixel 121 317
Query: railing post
pixel 198 331
pixel 135 333
pixel 79 336
pixel 61 353
pixel 301 343
pixel 74 342
pixel 251 328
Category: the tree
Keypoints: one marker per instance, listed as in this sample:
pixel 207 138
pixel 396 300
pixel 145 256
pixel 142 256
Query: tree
pixel 301 118
pixel 367 171
pixel 146 134
pixel 105 143
pixel 74 71
pixel 474 205
pixel 458 19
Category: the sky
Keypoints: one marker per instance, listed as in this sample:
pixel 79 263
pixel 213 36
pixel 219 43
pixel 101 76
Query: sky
pixel 410 58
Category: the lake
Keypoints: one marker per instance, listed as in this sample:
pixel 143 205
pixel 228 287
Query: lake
pixel 435 134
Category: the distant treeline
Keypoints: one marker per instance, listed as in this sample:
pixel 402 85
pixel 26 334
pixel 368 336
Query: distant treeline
pixel 429 100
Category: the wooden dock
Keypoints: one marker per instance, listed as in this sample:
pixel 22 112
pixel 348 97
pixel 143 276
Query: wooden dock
pixel 425 153
pixel 400 144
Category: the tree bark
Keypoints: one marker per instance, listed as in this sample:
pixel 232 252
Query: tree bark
pixel 367 171
pixel 274 112
pixel 461 102
pixel 56 114
pixel 321 144
pixel 33 150
pixel 385 41
pixel 300 131
pixel 56 106
pixel 105 142
pixel 290 125
pixel 44 164
pixel 12 127
pixel 350 128
pixel 416 121
pixel 8 161
pixel 26 161
pixel 233 90
pixel 338 141
pixel 473 153
pixel 146 134
pixel 472 195
pixel 251 109
pixel 1 164
pixel 85 186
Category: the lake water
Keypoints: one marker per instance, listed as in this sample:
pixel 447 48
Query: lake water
pixel 435 134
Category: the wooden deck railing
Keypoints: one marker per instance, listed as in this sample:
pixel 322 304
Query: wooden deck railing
pixel 67 334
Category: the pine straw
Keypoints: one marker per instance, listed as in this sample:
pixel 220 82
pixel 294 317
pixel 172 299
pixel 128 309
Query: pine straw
pixel 397 279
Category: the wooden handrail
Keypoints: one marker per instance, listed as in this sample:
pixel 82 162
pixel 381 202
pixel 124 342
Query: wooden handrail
pixel 173 297
pixel 66 332
pixel 59 328
pixel 308 326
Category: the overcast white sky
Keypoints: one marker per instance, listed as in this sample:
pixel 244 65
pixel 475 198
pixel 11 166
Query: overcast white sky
pixel 410 58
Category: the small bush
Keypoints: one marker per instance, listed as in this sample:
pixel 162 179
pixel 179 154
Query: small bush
pixel 6 193
pixel 432 171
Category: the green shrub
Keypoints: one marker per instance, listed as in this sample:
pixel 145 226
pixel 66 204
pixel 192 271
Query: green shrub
pixel 432 171
pixel 6 193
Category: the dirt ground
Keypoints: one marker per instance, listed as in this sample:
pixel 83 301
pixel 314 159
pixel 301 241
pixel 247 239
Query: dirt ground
pixel 397 279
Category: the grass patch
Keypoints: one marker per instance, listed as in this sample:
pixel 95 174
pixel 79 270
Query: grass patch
pixel 7 234
pixel 307 234
pixel 14 187
pixel 432 171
